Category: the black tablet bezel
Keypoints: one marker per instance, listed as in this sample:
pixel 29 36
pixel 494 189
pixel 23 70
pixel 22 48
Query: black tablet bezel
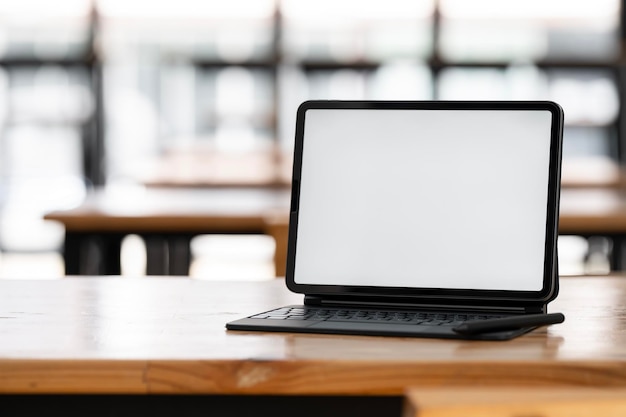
pixel 550 282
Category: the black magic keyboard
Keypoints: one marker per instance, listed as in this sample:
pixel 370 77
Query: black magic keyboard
pixel 387 322
pixel 371 316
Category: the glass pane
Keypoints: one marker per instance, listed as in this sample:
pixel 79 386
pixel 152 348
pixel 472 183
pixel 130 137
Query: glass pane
pixel 58 152
pixel 356 30
pixel 588 142
pixel 203 29
pixel 38 182
pixel 472 84
pixel 588 97
pixel 493 30
pixel 600 105
pixel 58 29
pixel 184 108
pixel 44 108
pixel 401 81
pixel 49 94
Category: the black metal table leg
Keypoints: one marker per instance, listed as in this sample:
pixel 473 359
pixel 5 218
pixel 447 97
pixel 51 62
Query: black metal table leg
pixel 72 252
pixel 617 254
pixel 167 254
pixel 156 255
pixel 110 247
pixel 92 254
pixel 179 254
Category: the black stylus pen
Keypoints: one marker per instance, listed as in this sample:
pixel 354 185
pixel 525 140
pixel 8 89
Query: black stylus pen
pixel 508 323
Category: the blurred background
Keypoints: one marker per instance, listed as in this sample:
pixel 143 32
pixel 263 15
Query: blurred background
pixel 123 93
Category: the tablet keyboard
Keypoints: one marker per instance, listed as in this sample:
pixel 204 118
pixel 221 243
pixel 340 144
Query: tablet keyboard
pixel 370 316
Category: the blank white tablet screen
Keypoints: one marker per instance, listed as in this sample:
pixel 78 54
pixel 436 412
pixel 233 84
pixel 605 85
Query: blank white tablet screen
pixel 452 199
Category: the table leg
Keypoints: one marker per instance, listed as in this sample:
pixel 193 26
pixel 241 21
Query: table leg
pixel 179 254
pixel 277 226
pixel 168 254
pixel 72 252
pixel 617 254
pixel 88 254
pixel 156 255
pixel 110 247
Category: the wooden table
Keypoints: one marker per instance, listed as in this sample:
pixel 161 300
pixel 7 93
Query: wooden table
pixel 167 219
pixel 596 212
pixel 98 335
pixel 593 210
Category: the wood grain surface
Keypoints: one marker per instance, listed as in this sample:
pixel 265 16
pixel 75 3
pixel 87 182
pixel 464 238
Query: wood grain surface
pixel 167 335
pixel 506 401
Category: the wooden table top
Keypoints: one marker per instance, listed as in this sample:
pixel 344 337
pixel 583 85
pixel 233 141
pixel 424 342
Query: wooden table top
pixel 583 210
pixel 593 210
pixel 175 209
pixel 167 335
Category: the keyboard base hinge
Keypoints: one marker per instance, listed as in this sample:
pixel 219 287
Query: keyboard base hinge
pixel 317 300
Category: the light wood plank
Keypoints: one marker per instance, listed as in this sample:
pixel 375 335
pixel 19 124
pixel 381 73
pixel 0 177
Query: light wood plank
pixel 515 402
pixel 60 376
pixel 96 334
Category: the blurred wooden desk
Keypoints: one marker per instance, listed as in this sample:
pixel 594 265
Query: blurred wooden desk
pixel 162 336
pixel 593 211
pixel 596 212
pixel 167 218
